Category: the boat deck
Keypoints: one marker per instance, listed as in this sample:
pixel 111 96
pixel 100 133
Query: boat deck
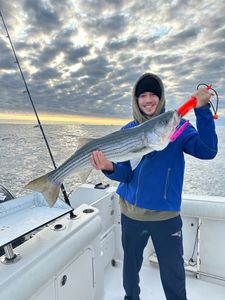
pixel 151 287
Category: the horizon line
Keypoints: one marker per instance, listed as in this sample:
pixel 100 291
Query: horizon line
pixel 54 118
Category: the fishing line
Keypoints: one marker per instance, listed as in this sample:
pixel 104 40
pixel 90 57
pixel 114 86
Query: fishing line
pixel 191 261
pixel 215 110
pixel 35 111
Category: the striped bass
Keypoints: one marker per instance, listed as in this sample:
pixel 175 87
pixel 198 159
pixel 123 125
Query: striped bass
pixel 119 146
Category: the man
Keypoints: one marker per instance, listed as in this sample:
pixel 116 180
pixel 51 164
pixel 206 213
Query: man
pixel 150 195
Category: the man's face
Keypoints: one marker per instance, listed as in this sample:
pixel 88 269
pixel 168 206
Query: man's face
pixel 148 103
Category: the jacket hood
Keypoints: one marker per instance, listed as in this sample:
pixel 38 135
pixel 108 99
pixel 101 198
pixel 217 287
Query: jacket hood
pixel 137 114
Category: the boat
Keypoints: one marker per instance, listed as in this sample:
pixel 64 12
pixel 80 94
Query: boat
pixel 74 252
pixel 80 257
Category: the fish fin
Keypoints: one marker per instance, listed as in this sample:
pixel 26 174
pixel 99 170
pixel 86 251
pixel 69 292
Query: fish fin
pixel 82 141
pixel 140 150
pixel 84 174
pixel 46 187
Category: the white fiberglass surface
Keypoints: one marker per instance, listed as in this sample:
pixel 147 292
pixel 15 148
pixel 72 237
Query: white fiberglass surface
pixel 25 214
pixel 151 289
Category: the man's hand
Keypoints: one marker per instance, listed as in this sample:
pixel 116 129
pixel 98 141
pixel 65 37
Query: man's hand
pixel 99 161
pixel 202 96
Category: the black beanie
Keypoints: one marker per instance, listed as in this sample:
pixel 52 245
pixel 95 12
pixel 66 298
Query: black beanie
pixel 148 84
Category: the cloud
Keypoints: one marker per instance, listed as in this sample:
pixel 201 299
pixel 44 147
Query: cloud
pixel 107 26
pixel 74 55
pixel 118 45
pixel 103 6
pixel 84 56
pixel 5 63
pixel 41 16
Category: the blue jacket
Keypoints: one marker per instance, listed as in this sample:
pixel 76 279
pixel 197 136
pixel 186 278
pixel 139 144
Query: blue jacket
pixel 156 183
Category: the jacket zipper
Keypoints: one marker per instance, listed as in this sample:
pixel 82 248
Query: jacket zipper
pixel 138 185
pixel 167 183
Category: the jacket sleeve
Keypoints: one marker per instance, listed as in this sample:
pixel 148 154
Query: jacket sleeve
pixel 202 143
pixel 122 172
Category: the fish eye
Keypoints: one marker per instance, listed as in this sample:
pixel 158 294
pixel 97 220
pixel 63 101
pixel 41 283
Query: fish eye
pixel 165 122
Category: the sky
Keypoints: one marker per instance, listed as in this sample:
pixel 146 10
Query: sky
pixel 81 58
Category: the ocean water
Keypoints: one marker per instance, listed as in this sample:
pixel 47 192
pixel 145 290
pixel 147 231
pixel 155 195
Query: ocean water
pixel 24 156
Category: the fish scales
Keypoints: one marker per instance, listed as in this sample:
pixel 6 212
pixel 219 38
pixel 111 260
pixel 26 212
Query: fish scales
pixel 82 158
pixel 122 145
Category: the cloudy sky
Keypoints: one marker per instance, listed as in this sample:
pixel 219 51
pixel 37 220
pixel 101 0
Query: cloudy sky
pixel 82 57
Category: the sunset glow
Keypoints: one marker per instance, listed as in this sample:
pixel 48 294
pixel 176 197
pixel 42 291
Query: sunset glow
pixel 21 118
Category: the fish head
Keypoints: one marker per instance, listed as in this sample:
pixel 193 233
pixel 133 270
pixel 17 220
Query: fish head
pixel 160 129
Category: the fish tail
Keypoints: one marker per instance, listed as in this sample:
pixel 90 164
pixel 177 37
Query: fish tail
pixel 46 187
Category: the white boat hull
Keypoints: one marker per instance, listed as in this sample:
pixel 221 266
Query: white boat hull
pixel 70 263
